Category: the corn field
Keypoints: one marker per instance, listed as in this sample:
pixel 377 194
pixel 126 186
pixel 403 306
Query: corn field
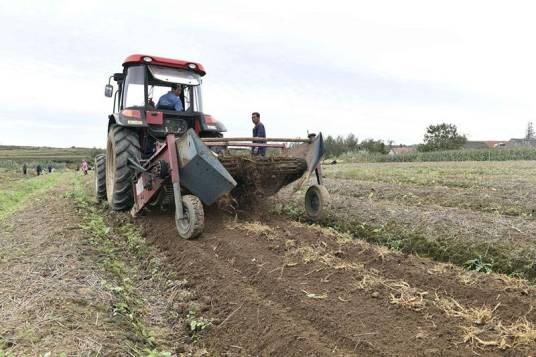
pixel 450 155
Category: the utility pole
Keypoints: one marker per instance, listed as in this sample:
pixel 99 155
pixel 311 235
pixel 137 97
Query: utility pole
pixel 530 132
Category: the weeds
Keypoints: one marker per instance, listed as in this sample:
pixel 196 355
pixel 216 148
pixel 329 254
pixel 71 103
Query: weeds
pixel 479 265
pixel 127 304
pixel 197 324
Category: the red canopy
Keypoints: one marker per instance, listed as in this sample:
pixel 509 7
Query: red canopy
pixel 168 62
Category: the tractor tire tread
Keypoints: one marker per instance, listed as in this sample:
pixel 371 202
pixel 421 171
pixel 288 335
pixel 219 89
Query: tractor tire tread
pixel 125 144
pixel 100 177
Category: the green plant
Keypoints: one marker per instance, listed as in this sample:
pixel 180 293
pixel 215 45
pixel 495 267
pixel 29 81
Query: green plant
pixel 478 264
pixel 197 324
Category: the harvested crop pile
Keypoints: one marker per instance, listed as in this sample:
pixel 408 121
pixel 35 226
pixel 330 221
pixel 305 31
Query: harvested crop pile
pixel 262 176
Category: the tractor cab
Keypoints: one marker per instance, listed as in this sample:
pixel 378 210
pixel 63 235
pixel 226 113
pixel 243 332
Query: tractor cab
pixel 144 80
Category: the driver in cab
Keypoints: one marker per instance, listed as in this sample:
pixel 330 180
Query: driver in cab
pixel 171 100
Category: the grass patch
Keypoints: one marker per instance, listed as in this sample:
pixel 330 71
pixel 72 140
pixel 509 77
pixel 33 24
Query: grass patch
pixel 451 174
pixel 15 194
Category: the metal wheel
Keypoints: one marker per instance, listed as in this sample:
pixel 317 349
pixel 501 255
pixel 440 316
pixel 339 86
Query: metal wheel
pixel 193 223
pixel 316 199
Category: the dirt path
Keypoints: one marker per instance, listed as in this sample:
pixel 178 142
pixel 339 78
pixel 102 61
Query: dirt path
pixel 279 288
pixel 72 285
pixel 50 298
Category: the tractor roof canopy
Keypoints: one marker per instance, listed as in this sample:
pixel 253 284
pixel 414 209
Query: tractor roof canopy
pixel 165 62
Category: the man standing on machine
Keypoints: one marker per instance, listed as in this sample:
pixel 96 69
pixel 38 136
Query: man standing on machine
pixel 258 132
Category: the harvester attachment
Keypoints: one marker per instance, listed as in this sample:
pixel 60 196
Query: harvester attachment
pixel 259 176
pixel 184 170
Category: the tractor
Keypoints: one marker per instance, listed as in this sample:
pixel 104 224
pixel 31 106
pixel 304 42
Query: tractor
pixel 162 156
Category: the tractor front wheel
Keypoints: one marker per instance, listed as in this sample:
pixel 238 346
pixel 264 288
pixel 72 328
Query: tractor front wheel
pixel 100 177
pixel 123 144
pixel 193 221
pixel 316 200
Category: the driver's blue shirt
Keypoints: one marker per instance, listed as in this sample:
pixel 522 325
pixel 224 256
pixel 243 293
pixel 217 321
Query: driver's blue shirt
pixel 170 101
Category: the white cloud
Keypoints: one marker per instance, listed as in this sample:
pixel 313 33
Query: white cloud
pixel 383 69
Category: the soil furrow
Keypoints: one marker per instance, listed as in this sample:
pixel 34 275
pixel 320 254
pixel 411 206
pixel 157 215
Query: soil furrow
pixel 261 275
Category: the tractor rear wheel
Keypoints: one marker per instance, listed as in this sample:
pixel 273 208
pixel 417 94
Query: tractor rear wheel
pixel 193 222
pixel 123 144
pixel 100 177
pixel 316 199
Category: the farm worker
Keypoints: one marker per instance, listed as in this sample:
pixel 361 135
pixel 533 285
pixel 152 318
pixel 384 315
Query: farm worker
pixel 171 100
pixel 38 169
pixel 24 168
pixel 49 168
pixel 258 132
pixel 84 167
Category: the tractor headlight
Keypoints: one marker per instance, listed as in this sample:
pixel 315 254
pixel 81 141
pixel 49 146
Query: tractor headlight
pixel 192 65
pixel 147 59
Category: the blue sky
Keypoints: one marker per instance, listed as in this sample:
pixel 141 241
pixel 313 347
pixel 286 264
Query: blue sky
pixel 382 69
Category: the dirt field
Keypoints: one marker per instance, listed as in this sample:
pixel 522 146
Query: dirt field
pixel 281 288
pixel 79 280
pixel 449 211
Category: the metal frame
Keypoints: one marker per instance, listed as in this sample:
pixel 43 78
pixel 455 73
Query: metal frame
pixel 147 184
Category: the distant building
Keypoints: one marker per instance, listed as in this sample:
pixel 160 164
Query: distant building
pixel 486 144
pixel 521 143
pixel 402 150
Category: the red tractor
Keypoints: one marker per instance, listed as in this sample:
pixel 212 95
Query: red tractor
pixel 159 155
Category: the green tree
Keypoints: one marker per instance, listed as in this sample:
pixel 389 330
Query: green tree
pixel 374 146
pixel 442 137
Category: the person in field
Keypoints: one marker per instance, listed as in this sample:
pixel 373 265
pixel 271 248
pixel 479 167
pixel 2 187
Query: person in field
pixel 38 169
pixel 258 132
pixel 84 167
pixel 24 169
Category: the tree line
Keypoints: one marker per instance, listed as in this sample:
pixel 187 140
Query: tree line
pixel 336 146
pixel 438 137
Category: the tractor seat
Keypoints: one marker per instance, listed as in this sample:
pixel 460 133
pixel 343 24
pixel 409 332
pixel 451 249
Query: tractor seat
pixel 165 107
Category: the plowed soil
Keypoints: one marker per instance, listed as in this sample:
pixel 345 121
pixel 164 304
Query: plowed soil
pixel 285 289
pixel 269 287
